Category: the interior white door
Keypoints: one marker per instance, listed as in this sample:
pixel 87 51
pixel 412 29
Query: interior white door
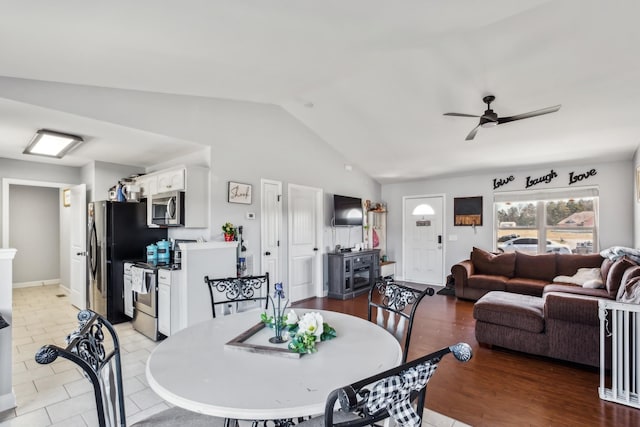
pixel 78 270
pixel 423 240
pixel 271 226
pixel 305 239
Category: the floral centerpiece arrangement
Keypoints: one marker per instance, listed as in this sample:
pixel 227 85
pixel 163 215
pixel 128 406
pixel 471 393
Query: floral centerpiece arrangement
pixel 304 332
pixel 229 232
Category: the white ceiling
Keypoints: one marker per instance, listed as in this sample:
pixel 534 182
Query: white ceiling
pixel 372 78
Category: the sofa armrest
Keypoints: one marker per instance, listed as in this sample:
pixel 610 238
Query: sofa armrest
pixel 461 272
pixel 571 308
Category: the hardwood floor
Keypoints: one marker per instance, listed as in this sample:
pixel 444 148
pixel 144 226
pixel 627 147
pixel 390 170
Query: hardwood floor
pixel 497 387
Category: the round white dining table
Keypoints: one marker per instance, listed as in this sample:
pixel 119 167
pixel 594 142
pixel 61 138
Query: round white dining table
pixel 194 370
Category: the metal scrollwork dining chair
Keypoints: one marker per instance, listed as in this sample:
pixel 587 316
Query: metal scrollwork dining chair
pixel 397 394
pixel 235 290
pixel 101 364
pixel 396 306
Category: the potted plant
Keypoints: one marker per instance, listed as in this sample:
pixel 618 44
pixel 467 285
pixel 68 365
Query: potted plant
pixel 229 232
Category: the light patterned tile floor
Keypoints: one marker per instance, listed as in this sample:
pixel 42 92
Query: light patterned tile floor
pixel 58 394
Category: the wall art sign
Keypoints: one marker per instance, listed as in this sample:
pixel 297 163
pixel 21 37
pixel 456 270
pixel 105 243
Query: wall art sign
pixel 542 179
pixel 577 177
pixel 239 193
pixel 499 182
pixel 467 211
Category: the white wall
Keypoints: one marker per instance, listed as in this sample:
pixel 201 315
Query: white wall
pixel 616 206
pixel 636 201
pixel 34 217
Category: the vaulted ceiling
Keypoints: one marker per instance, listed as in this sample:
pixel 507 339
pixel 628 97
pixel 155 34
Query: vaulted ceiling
pixel 372 78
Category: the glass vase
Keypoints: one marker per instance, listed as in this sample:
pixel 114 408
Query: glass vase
pixel 277 327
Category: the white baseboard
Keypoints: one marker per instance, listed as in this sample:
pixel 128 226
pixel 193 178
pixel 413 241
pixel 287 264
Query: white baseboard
pixel 48 282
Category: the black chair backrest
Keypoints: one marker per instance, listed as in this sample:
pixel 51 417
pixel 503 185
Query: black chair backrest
pixel 238 289
pixel 100 361
pixel 390 394
pixel 396 306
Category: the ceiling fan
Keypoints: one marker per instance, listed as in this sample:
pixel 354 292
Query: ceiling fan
pixel 490 119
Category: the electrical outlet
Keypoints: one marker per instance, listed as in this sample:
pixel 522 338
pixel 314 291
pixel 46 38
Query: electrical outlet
pixel 251 215
pixel 453 237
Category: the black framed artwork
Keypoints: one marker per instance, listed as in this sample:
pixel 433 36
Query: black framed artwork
pixel 467 211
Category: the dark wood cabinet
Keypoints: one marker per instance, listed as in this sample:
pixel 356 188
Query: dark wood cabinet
pixel 352 273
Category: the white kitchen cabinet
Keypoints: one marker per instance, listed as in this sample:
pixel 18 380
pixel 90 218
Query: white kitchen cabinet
pixel 213 259
pixel 193 180
pixel 164 309
pixel 171 180
pixel 168 301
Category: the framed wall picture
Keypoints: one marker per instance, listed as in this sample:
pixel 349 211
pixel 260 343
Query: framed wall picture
pixel 239 193
pixel 66 197
pixel 467 211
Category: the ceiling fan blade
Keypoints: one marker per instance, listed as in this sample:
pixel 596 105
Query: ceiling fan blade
pixel 459 115
pixel 529 114
pixel 472 134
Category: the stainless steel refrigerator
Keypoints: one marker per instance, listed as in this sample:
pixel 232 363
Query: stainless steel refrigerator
pixel 117 232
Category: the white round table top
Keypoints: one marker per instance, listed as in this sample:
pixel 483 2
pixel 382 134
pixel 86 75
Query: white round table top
pixel 194 370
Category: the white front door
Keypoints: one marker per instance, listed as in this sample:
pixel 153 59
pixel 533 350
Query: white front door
pixel 305 240
pixel 78 239
pixel 271 226
pixel 423 239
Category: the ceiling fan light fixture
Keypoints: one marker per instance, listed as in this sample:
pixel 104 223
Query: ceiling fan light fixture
pixel 489 124
pixel 50 143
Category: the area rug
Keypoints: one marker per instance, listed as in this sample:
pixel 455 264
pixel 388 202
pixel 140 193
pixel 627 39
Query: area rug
pixel 447 291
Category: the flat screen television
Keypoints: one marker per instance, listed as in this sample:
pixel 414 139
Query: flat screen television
pixel 347 211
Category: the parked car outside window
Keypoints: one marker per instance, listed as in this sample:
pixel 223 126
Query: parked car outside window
pixel 530 244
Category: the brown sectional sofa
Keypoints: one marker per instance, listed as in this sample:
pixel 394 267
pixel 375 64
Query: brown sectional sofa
pixel 517 272
pixel 520 308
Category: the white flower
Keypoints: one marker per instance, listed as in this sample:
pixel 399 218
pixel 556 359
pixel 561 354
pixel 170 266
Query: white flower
pixel 292 317
pixel 312 323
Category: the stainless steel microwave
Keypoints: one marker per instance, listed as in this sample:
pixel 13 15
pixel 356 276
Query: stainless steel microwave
pixel 168 208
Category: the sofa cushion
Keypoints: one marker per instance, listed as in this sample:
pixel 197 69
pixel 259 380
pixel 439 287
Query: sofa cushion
pixel 568 264
pixel 614 277
pixel 604 268
pixel 521 285
pixel 576 290
pixel 484 281
pixel 541 267
pixel 495 264
pixel 513 310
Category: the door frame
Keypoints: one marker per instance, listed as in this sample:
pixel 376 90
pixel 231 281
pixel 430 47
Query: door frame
pixel 280 261
pixel 443 196
pixel 319 194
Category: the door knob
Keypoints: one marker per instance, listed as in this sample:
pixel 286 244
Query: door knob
pixel 267 253
pixel 315 249
pixel 85 253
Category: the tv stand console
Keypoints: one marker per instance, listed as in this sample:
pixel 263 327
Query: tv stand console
pixel 352 273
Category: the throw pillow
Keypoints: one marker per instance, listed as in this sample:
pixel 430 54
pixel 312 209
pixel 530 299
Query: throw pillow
pixel 495 264
pixel 616 272
pixel 630 292
pixel 582 276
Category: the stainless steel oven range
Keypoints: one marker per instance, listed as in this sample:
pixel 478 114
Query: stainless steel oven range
pixel 144 279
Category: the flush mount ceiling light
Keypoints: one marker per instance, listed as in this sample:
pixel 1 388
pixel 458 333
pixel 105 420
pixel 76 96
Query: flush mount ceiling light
pixel 50 143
